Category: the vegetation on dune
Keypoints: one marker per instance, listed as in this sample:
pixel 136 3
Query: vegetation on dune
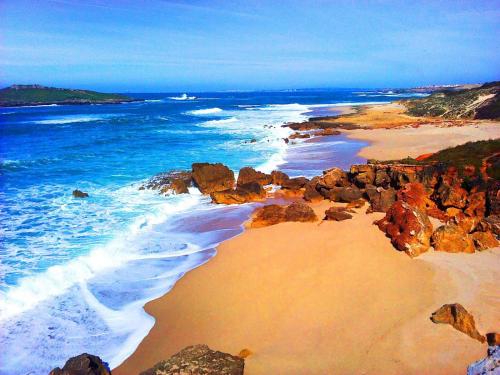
pixel 468 154
pixel 18 95
pixel 476 103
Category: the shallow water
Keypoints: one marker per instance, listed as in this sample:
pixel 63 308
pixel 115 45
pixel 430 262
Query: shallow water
pixel 75 273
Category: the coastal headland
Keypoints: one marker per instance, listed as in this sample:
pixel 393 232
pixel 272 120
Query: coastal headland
pixel 314 287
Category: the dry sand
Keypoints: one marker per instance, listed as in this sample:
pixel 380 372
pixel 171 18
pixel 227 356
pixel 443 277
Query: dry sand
pixel 386 144
pixel 335 297
pixel 322 299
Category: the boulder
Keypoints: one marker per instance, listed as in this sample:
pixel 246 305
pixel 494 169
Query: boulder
pixel 382 178
pixel 249 192
pixel 278 177
pixel 337 214
pixel 327 131
pixel 210 178
pixel 294 183
pixel 199 360
pixel 459 318
pixel 450 192
pixel 363 174
pixel 493 222
pixel 380 199
pixel 344 194
pixel 402 174
pixel 299 135
pixel 467 223
pixel 80 194
pixel 248 174
pixel 484 240
pixel 310 193
pixel 493 339
pixel 176 182
pixel 334 177
pixel 268 215
pixel 476 204
pixel 83 364
pixel 493 197
pixel 416 195
pixel 408 228
pixel 299 211
pixel 358 203
pixel 452 239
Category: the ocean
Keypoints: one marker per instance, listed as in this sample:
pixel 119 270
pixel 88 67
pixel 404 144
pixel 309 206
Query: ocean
pixel 76 273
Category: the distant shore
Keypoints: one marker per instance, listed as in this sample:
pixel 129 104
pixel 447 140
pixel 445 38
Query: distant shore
pixel 333 296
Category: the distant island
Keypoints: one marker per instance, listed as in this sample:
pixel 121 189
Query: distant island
pixel 28 95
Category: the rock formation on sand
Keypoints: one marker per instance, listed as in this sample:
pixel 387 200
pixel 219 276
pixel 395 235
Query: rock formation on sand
pixel 83 364
pixel 210 178
pixel 244 193
pixel 199 360
pixel 459 318
pixel 337 214
pixel 274 214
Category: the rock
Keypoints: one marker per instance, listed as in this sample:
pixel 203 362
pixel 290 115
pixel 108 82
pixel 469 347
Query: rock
pixel 493 339
pixel 345 194
pixel 450 192
pixel 299 211
pixel 484 240
pixel 83 364
pixel 358 203
pixel 245 353
pixel 459 318
pixel 493 197
pixel 80 194
pixel 337 214
pixel 334 177
pixel 402 174
pixel 476 204
pixel 452 239
pixel 327 131
pixel 488 365
pixel 268 215
pixel 248 174
pixel 279 177
pixel 416 195
pixel 363 174
pixel 311 194
pixel 299 135
pixel 493 221
pixel 380 199
pixel 249 192
pixel 199 360
pixel 467 223
pixel 382 178
pixel 294 183
pixel 176 182
pixel 408 228
pixel 210 178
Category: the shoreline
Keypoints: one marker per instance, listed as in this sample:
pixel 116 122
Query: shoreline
pixel 177 326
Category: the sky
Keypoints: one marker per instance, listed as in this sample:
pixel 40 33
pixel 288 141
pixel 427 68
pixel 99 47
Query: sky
pixel 155 46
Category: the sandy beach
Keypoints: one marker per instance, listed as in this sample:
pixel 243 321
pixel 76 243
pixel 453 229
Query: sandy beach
pixel 333 297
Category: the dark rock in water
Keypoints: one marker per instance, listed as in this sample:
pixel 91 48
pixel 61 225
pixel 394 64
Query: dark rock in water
pixel 176 182
pixel 298 211
pixel 253 140
pixel 298 135
pixel 80 194
pixel 199 360
pixel 337 214
pixel 459 318
pixel 249 192
pixel 279 177
pixel 83 364
pixel 210 178
pixel 248 174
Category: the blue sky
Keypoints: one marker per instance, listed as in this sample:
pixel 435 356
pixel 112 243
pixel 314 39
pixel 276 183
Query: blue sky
pixel 147 46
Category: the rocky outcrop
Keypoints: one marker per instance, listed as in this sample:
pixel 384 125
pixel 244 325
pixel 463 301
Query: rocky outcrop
pixel 493 223
pixel 80 194
pixel 344 194
pixel 210 178
pixel 337 214
pixel 459 318
pixel 484 240
pixel 311 194
pixel 176 182
pixel 452 239
pixel 294 183
pixel 408 228
pixel 274 214
pixel 334 177
pixel 363 174
pixel 278 177
pixel 249 192
pixel 199 360
pixel 299 135
pixel 380 199
pixel 248 174
pixel 83 364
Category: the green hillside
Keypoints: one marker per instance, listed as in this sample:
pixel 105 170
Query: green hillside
pixel 22 95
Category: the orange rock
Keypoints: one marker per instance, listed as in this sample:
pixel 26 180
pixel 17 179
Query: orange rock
pixel 458 317
pixel 244 353
pixel 248 174
pixel 484 240
pixel 424 156
pixel 452 239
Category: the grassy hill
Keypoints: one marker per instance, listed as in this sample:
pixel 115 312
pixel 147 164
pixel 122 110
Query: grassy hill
pixel 476 103
pixel 22 95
